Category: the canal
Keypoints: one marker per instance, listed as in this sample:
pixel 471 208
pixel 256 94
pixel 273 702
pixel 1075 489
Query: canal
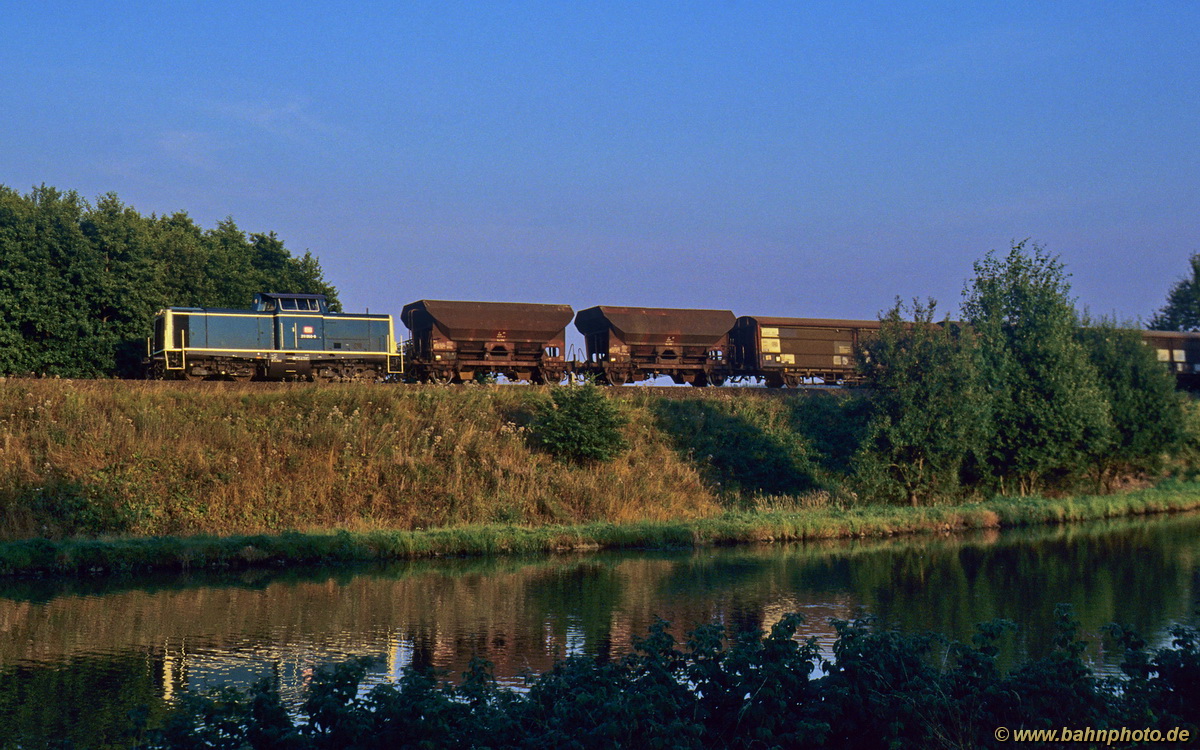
pixel 77 656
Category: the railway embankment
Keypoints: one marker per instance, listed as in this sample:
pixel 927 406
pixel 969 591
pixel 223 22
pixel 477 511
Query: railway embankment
pixel 115 475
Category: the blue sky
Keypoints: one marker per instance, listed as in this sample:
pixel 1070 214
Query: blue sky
pixel 780 158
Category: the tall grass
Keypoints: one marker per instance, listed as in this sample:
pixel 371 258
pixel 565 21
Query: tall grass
pixel 81 459
pixel 216 458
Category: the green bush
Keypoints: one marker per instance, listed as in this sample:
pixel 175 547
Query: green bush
pixel 579 424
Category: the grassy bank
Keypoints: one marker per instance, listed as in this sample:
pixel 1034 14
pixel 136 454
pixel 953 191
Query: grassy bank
pixel 128 554
pixel 148 459
pixel 110 475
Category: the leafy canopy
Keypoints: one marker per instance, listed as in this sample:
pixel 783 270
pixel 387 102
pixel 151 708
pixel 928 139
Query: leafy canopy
pixel 1048 413
pixel 1182 311
pixel 929 416
pixel 80 283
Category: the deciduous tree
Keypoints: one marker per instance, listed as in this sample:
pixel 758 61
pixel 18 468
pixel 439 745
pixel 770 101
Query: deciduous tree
pixel 1049 416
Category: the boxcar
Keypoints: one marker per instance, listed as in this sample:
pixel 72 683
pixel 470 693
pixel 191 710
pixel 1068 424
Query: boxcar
pixel 283 337
pixel 626 344
pixel 452 341
pixel 792 351
pixel 1180 351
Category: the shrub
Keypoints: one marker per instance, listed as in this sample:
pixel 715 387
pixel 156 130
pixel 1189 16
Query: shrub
pixel 580 425
pixel 929 413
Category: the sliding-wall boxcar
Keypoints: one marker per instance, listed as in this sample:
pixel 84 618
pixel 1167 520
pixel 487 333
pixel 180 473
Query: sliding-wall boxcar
pixel 1179 351
pixel 283 337
pixel 452 341
pixel 792 351
pixel 626 344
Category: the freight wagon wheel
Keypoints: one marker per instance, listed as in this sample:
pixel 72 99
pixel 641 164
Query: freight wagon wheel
pixel 547 375
pixel 716 380
pixel 616 377
pixel 441 378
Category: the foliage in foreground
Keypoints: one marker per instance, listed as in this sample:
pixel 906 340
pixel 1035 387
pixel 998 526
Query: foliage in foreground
pixel 882 689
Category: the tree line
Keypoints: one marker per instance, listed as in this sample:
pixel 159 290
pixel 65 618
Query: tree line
pixel 1023 395
pixel 80 282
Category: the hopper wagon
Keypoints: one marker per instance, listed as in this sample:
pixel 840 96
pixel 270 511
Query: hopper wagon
pixel 452 341
pixel 629 344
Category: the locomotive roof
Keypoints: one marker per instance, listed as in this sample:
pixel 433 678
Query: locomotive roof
pixel 291 295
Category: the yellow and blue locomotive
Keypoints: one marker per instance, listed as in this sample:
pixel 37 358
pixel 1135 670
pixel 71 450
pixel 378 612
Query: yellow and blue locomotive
pixel 282 337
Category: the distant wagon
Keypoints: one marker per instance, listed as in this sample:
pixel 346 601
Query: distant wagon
pixel 282 337
pixel 627 344
pixel 792 351
pixel 453 341
pixel 1179 351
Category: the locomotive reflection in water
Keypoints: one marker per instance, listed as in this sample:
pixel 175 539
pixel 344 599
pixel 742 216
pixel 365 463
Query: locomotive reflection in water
pixel 296 337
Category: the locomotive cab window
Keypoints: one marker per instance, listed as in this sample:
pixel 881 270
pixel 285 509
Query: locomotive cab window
pixel 299 305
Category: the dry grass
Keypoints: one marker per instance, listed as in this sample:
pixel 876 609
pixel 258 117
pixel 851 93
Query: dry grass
pixel 161 458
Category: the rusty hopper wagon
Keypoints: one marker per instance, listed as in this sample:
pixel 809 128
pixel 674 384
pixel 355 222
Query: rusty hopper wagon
pixel 791 351
pixel 626 344
pixel 452 341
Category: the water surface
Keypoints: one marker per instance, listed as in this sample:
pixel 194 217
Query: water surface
pixel 76 656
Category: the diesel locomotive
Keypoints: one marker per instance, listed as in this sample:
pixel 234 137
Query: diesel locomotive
pixel 282 337
pixel 296 337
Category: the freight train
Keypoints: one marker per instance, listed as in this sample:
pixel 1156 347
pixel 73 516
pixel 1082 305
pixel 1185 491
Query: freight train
pixel 296 337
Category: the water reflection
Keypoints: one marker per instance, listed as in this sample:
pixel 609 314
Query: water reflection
pixel 76 657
